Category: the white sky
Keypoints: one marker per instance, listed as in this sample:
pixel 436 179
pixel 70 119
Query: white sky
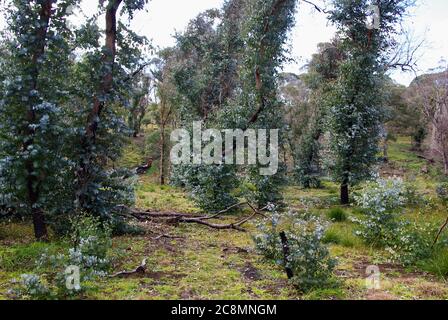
pixel 163 17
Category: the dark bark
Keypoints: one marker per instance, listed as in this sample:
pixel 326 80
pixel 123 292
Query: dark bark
pixel 33 182
pixel 286 252
pixel 345 198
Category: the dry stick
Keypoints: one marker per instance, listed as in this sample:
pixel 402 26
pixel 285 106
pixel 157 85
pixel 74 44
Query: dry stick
pixel 440 233
pixel 166 236
pixel 285 247
pixel 217 214
pixel 140 269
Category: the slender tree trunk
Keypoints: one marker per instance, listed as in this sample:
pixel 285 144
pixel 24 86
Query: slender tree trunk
pixel 162 155
pixel 89 139
pixel 286 253
pixel 345 199
pixel 445 162
pixel 386 151
pixel 33 182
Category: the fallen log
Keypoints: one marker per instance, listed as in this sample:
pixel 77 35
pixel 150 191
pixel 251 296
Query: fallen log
pixel 176 217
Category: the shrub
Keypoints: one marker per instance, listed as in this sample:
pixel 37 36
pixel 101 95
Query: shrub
pixel 381 202
pixel 33 287
pixel 382 196
pixel 410 243
pixel 337 215
pixel 309 258
pixel 442 192
pixel 91 241
pixel 210 187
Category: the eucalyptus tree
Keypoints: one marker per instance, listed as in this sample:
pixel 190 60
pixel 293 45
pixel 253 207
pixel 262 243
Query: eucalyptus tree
pixel 103 81
pixel 356 112
pixel 227 79
pixel 140 101
pixel 205 72
pixel 308 136
pixel 264 34
pixel 35 67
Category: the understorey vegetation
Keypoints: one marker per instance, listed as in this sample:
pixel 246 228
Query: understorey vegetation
pixel 93 206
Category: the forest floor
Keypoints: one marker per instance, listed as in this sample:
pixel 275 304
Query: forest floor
pixel 209 264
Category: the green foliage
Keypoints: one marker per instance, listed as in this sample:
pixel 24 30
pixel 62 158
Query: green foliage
pixel 214 77
pixel 337 215
pixel 382 203
pixel 356 103
pixel 309 259
pixel 437 264
pixel 32 132
pixel 209 186
pixel 442 192
pixel 91 243
pixel 342 234
pixel 307 169
pixel 410 242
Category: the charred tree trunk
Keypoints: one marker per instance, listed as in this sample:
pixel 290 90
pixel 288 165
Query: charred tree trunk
pixel 345 198
pixel 33 182
pixel 89 139
pixel 285 246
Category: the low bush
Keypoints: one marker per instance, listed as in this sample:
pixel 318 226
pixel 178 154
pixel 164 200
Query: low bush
pixel 382 203
pixel 90 240
pixel 309 258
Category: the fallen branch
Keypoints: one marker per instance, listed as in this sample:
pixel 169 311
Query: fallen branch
pixel 175 217
pixel 141 269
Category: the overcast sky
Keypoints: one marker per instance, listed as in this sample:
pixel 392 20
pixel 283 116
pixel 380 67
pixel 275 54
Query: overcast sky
pixel 164 17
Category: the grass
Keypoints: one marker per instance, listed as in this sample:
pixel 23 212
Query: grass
pixel 212 264
pixel 337 215
pixel 343 234
pixel 437 264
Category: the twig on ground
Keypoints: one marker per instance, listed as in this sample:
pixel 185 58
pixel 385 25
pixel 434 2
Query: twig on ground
pixel 140 269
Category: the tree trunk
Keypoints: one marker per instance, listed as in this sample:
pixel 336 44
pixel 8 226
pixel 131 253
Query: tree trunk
pixel 345 199
pixel 89 139
pixel 285 246
pixel 445 162
pixel 162 155
pixel 32 180
pixel 386 151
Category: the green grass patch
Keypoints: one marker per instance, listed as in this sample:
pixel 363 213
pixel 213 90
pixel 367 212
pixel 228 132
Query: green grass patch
pixel 342 234
pixel 337 215
pixel 437 264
